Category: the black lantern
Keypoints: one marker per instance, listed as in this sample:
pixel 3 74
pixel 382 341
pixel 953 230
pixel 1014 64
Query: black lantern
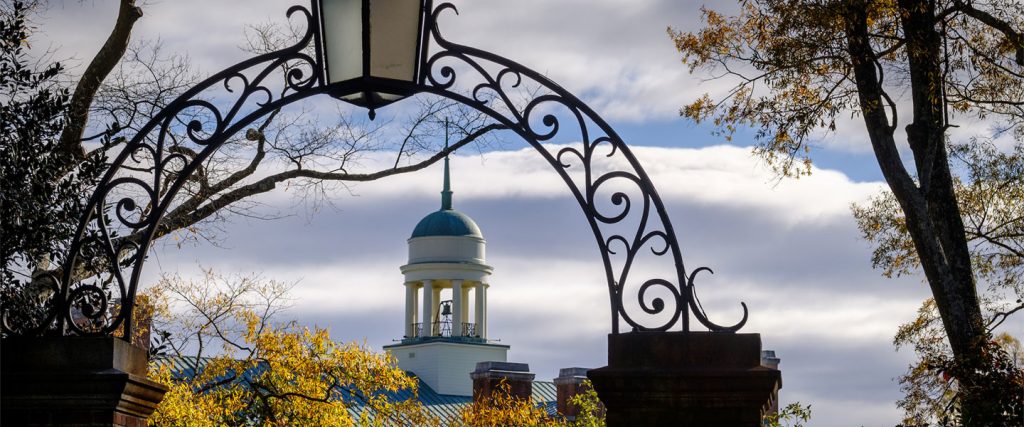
pixel 375 45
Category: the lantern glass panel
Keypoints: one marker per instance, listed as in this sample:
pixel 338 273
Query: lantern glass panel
pixel 394 34
pixel 343 38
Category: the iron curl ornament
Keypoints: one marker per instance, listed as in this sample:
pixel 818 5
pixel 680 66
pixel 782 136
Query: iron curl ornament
pixel 96 290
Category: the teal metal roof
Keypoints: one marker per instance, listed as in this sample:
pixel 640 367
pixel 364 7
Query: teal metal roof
pixel 447 223
pixel 448 408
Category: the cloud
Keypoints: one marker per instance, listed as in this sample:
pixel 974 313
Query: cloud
pixel 789 249
pixel 616 53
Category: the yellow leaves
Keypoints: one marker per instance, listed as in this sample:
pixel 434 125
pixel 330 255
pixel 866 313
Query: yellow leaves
pixel 294 376
pixel 715 38
pixel 184 406
pixel 790 71
pixel 882 14
pixel 503 409
pixel 794 415
pixel 991 210
pixel 881 222
pixel 591 413
pixel 699 109
pixel 272 374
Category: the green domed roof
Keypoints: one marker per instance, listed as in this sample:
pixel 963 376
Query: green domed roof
pixel 447 222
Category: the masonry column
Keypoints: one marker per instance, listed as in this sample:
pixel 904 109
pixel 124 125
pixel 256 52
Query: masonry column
pixel 569 384
pixel 428 308
pixel 488 377
pixel 411 314
pixel 685 379
pixel 457 313
pixel 75 381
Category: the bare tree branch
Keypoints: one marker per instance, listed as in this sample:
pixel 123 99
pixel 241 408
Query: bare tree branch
pixel 97 71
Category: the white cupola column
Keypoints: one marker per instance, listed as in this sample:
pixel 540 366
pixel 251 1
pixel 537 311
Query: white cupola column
pixel 457 313
pixel 465 306
pixel 411 309
pixel 428 308
pixel 481 310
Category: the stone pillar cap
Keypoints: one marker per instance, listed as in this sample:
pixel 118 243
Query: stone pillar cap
pixel 573 372
pixel 502 366
pixel 508 370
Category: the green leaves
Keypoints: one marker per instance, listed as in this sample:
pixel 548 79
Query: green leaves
pixel 793 415
pixel 39 201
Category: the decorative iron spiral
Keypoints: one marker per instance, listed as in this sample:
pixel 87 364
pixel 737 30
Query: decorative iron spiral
pixel 100 279
pixel 607 207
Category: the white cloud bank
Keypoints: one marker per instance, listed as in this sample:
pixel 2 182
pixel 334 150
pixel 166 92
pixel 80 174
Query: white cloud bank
pixel 789 249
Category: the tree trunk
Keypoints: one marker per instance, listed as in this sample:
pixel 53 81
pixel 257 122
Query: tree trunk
pixel 949 268
pixel 97 71
pixel 929 206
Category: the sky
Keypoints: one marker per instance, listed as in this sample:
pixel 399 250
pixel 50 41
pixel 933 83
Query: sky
pixel 789 249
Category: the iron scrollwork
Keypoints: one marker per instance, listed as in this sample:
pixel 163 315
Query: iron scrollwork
pixel 97 287
pixel 99 281
pixel 611 187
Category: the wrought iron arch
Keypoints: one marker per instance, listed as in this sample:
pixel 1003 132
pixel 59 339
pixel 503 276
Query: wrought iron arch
pixel 87 306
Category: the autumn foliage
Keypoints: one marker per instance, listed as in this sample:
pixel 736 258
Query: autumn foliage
pixel 227 362
pixel 909 71
pixel 502 409
pixel 294 376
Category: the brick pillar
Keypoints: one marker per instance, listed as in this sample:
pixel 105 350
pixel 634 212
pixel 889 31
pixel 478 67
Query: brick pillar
pixel 568 384
pixel 768 360
pixel 75 381
pixel 685 379
pixel 488 375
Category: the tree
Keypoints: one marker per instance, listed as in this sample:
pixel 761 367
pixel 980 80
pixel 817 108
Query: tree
pixel 228 361
pixel 590 411
pixel 126 84
pixel 794 415
pixel 39 203
pixel 242 367
pixel 990 193
pixel 991 200
pixel 800 65
pixel 502 408
pixel 931 389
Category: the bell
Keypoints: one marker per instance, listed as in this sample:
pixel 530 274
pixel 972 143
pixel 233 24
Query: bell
pixel 446 309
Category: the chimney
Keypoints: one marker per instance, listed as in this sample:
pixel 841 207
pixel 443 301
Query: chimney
pixel 768 360
pixel 568 384
pixel 488 375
